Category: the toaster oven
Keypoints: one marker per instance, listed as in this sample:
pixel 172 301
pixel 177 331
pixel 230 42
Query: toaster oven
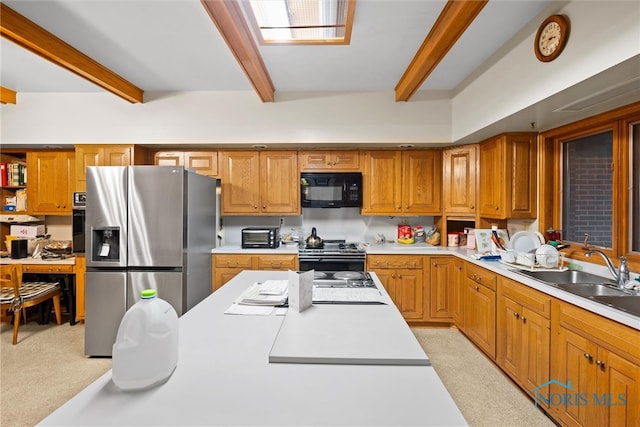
pixel 261 237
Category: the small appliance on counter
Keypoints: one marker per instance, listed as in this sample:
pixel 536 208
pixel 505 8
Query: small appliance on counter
pixel 260 237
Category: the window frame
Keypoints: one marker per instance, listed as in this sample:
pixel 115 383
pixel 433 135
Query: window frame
pixel 619 122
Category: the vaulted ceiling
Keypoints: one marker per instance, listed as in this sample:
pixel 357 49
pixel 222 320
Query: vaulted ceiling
pixel 130 47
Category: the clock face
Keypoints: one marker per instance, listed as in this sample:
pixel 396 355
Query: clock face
pixel 551 38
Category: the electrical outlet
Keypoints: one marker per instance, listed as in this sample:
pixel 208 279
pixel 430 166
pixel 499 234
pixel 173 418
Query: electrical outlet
pixel 281 222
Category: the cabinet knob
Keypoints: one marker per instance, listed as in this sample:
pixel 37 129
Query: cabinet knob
pixel 472 207
pixel 264 206
pixel 516 315
pixel 497 208
pixel 524 319
pixel 588 356
pixel 600 363
pixel 399 276
pixel 477 288
pixel 393 276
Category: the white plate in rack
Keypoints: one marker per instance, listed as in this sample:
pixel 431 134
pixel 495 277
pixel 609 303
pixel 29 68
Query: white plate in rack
pixel 526 241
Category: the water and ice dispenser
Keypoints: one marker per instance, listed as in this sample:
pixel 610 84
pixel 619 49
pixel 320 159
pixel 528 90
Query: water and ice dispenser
pixel 105 244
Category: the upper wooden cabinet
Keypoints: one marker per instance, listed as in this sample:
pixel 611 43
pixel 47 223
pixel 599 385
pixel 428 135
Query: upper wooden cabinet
pixel 508 176
pixel 51 176
pixel 203 162
pixel 402 182
pixel 328 161
pixel 105 155
pixel 459 170
pixel 260 183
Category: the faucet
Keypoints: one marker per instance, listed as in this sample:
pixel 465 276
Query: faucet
pixel 622 274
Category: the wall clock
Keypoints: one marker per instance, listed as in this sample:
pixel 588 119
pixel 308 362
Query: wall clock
pixel 551 37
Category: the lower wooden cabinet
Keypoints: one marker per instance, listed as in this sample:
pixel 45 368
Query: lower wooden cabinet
pixel 480 308
pixel 441 286
pixel 597 362
pixel 403 278
pixel 80 269
pixel 457 293
pixel 227 266
pixel 524 338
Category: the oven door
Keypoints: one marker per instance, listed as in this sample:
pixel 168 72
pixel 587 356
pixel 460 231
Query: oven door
pixel 78 230
pixel 323 263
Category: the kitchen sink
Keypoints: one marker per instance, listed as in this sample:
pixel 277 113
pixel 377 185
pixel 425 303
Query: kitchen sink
pixel 591 289
pixel 628 303
pixel 568 277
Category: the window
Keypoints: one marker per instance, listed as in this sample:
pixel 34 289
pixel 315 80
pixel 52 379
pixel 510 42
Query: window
pixel 587 189
pixel 302 21
pixel 590 183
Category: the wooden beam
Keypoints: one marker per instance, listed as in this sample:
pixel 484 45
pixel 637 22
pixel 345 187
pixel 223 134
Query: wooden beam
pixel 7 96
pixel 36 39
pixel 228 17
pixel 453 21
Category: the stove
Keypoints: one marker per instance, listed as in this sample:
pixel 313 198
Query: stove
pixel 334 256
pixel 343 279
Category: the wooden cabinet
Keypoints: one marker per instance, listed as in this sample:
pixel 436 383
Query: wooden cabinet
pixel 508 171
pixel 329 161
pixel 260 183
pixel 402 182
pixel 457 293
pixel 441 285
pixel 227 266
pixel 105 155
pixel 203 162
pixel 524 338
pixel 459 178
pixel 599 360
pixel 80 270
pixel 480 308
pixel 403 278
pixel 51 177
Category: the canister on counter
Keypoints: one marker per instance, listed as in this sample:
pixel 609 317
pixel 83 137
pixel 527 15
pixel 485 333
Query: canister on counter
pixel 453 239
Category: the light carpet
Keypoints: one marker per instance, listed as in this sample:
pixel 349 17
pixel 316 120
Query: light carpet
pixel 48 366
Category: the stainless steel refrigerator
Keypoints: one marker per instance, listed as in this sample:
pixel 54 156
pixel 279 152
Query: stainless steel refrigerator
pixel 146 227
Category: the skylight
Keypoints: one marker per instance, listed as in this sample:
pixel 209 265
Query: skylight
pixel 302 21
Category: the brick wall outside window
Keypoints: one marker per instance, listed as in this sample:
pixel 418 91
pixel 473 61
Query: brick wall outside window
pixel 588 189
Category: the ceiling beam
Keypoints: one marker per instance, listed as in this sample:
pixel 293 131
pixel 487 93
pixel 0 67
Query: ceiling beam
pixel 227 16
pixel 36 39
pixel 454 19
pixel 7 96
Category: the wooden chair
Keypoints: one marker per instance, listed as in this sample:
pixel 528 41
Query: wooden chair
pixel 17 296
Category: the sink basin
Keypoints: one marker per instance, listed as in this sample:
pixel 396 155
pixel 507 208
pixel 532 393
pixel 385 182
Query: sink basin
pixel 628 303
pixel 590 290
pixel 568 277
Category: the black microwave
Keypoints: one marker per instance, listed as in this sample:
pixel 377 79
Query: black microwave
pixel 330 190
pixel 261 237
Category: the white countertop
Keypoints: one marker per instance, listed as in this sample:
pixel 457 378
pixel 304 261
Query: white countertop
pixel 38 261
pixel 224 377
pixel 467 255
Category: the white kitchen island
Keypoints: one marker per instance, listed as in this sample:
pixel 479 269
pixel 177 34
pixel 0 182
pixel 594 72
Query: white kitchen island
pixel 224 378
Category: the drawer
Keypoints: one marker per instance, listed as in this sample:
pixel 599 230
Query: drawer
pixel 482 276
pixel 395 261
pixel 43 268
pixel 277 262
pixel 530 298
pixel 232 261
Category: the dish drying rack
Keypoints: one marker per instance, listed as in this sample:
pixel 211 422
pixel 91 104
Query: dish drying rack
pixel 526 261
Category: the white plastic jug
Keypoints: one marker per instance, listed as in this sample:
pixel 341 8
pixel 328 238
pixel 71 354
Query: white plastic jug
pixel 145 353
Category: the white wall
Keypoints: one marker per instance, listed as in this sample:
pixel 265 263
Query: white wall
pixel 226 117
pixel 603 34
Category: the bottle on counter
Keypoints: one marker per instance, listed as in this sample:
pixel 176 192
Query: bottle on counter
pixel 145 353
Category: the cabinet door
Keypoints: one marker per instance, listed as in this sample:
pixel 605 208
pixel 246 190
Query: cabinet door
pixel 203 162
pixel 510 350
pixel 85 156
pixel 345 161
pixel 240 183
pixel 117 156
pixel 223 275
pixel 575 364
pixel 422 182
pixel 459 180
pixel 279 183
pixel 277 262
pixel 620 384
pixel 441 284
pixel 79 270
pixel 480 316
pixel 457 293
pixel 168 158
pixel 521 154
pixel 410 292
pixel 382 182
pixel 315 160
pixel 389 284
pixel 51 174
pixel 492 170
pixel 536 342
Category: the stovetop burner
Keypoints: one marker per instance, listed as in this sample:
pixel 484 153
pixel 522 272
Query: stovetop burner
pixel 335 279
pixel 336 247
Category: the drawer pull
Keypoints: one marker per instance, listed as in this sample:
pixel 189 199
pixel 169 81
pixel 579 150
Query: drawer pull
pixel 524 319
pixel 516 315
pixel 600 363
pixel 588 356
